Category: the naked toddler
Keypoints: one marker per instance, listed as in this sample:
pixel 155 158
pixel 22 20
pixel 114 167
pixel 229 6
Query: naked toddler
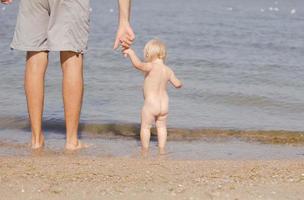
pixel 157 76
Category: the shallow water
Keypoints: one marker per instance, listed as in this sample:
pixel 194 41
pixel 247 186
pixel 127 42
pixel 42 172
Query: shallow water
pixel 242 68
pixel 13 144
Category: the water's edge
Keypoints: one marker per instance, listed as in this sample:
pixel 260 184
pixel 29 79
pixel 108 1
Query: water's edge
pixel 132 131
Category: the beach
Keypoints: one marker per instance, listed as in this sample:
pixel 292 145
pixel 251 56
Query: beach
pixel 220 165
pixel 199 164
pixel 81 177
pixel 235 130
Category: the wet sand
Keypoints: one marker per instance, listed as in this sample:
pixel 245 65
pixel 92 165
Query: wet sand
pixel 200 164
pixel 16 143
pixel 131 131
pixel 83 177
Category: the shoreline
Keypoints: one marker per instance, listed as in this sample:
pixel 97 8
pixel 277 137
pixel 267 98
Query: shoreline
pixel 17 144
pixel 201 164
pixel 79 177
pixel 132 130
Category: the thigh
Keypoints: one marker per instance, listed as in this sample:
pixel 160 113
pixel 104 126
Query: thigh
pixel 147 118
pixel 69 25
pixel 161 121
pixel 36 62
pixel 31 28
pixel 72 65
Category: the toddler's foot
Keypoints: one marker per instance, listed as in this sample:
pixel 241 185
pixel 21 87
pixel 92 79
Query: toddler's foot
pixel 36 145
pixel 78 146
pixel 162 151
pixel 144 152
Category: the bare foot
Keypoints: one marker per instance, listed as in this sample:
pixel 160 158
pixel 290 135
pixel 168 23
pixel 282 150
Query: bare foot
pixel 145 152
pixel 72 147
pixel 162 151
pixel 38 145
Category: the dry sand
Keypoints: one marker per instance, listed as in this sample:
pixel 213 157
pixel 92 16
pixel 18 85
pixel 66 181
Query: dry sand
pixel 88 177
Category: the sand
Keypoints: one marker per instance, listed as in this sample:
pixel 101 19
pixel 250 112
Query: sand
pixel 88 177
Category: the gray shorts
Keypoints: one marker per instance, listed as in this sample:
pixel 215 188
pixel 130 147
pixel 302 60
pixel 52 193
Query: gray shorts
pixel 52 25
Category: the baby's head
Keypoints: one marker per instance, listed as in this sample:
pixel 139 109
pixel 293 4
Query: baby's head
pixel 155 49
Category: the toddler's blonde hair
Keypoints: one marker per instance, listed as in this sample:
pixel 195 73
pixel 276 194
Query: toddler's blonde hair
pixel 155 49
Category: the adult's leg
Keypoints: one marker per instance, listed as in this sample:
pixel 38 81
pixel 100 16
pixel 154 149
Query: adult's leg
pixel 161 125
pixel 36 64
pixel 72 67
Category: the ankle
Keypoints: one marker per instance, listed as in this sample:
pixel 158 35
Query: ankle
pixel 37 137
pixel 145 149
pixel 71 143
pixel 72 139
pixel 162 150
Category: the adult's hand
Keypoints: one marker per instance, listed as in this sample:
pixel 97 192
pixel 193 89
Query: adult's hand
pixel 125 36
pixel 6 1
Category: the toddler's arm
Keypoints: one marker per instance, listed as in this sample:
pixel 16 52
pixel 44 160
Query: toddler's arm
pixel 137 63
pixel 175 82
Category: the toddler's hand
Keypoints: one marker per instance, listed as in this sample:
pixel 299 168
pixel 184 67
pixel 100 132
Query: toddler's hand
pixel 127 51
pixel 126 42
pixel 125 45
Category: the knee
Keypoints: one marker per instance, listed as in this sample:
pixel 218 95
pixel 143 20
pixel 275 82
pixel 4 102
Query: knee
pixel 145 128
pixel 161 125
pixel 36 62
pixel 72 76
pixel 69 58
pixel 34 69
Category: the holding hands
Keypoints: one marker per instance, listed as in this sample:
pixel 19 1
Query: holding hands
pixel 125 36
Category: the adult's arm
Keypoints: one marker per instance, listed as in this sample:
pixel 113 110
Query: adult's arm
pixel 125 35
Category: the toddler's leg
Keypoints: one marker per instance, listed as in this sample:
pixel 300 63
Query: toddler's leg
pixel 147 119
pixel 161 125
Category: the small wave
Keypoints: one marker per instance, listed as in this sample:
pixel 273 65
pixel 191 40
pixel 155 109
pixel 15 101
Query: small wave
pixel 132 131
